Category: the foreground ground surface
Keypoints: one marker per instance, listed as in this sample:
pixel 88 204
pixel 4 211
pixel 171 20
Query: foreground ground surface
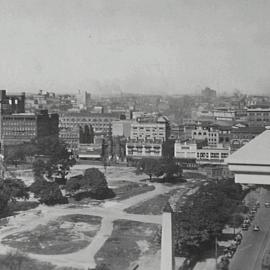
pixel 120 232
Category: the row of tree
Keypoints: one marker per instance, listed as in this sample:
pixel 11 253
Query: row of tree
pixel 204 216
pixel 168 169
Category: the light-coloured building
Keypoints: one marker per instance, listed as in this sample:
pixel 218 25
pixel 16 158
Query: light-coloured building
pixel 83 99
pixel 90 151
pixel 185 150
pixel 213 154
pixel 224 114
pixel 136 150
pixel 150 131
pixel 121 128
pixel 208 154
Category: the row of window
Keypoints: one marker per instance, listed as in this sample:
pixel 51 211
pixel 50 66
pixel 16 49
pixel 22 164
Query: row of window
pixel 86 120
pixel 202 155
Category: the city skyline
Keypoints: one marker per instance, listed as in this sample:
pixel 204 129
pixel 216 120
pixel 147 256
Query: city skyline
pixel 163 47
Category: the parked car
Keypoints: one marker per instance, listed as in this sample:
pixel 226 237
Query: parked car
pixel 267 204
pixel 254 209
pixel 239 236
pixel 256 228
pixel 246 221
pixel 244 227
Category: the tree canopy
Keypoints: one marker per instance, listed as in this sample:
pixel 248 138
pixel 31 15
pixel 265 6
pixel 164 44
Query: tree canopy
pixel 150 166
pixel 93 181
pixel 55 158
pixel 159 167
pixel 10 190
pixel 205 214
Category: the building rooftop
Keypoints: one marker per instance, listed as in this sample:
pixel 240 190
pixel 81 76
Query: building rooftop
pixel 256 152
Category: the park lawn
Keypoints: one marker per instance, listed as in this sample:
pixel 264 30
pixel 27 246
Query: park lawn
pixel 127 189
pixel 66 234
pixel 152 206
pixel 129 241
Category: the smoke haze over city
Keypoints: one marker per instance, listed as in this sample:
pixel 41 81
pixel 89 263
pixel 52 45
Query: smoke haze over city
pixel 150 46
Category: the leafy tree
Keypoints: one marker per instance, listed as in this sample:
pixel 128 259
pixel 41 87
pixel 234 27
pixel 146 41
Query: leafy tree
pixel 150 167
pixel 93 183
pixel 10 190
pixel 39 168
pixel 50 194
pixel 204 216
pixel 37 186
pixel 171 169
pixel 59 159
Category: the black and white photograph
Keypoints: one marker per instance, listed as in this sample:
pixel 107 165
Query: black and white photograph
pixel 134 134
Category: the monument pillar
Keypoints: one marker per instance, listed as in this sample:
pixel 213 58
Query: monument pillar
pixel 167 240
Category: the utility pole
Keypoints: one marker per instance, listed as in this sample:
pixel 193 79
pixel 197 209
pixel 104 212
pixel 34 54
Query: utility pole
pixel 216 253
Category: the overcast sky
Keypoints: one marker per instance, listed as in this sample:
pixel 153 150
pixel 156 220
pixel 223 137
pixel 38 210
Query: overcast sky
pixel 141 46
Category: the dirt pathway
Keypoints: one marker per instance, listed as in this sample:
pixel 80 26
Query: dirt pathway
pixel 109 211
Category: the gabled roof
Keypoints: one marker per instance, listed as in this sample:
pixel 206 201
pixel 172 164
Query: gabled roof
pixel 256 152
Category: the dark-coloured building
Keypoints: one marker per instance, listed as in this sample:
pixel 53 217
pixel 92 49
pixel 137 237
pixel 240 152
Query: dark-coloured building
pixel 23 127
pixel 258 117
pixel 208 94
pixel 241 136
pixel 12 103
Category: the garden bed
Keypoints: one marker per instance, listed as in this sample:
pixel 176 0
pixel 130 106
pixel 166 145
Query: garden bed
pixel 129 241
pixel 67 234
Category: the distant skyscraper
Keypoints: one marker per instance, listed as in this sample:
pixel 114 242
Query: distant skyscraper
pixel 83 99
pixel 208 94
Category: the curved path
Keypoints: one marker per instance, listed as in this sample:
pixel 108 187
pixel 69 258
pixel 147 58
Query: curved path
pixel 109 211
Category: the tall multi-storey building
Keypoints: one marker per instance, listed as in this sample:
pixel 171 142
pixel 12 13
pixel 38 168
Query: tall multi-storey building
pixel 71 136
pixel 23 127
pixel 208 94
pixel 151 130
pixel 121 128
pixel 83 99
pixel 258 117
pixel 12 103
pixel 101 123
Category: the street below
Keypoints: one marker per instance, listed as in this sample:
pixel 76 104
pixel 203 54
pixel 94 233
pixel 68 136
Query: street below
pixel 249 254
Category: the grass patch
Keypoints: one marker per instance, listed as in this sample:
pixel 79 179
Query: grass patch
pixel 127 189
pixel 67 234
pixel 129 241
pixel 152 206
